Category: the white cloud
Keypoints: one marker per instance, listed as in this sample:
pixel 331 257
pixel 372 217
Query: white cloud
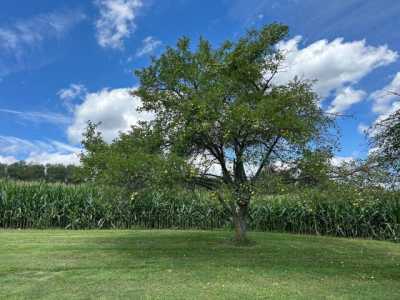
pixel 68 95
pixel 334 64
pixel 116 21
pixel 72 92
pixel 8 160
pixel 115 109
pixel 393 108
pixel 10 145
pixel 345 98
pixel 38 117
pixel 41 152
pixel 384 100
pixel 206 164
pixel 340 160
pixel 149 44
pixel 31 31
pixel 24 36
pixel 45 158
pixel 385 103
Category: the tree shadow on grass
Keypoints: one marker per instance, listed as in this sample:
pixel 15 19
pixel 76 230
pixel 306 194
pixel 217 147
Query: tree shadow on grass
pixel 199 250
pixel 166 263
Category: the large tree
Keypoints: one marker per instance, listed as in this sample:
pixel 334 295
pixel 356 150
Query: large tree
pixel 220 122
pixel 220 110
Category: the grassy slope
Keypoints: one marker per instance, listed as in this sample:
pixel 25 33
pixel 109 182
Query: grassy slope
pixel 59 264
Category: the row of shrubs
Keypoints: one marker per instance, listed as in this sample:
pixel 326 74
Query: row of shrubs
pixel 336 211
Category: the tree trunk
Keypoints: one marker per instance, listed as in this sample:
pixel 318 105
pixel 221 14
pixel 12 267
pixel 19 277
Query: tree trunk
pixel 239 219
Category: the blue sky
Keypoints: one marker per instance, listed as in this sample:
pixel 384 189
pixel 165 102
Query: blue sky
pixel 64 62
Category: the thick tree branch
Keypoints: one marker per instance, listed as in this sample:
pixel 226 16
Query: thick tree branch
pixel 266 158
pixel 218 153
pixel 267 83
pixel 239 172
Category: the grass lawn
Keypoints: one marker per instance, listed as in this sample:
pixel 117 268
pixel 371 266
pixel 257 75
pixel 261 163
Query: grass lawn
pixel 166 264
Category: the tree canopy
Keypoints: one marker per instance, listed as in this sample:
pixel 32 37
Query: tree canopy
pixel 219 117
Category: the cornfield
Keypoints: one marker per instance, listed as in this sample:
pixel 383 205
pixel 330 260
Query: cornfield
pixel 338 212
pixel 41 205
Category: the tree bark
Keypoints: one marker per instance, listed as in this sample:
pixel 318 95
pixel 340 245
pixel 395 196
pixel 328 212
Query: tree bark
pixel 239 220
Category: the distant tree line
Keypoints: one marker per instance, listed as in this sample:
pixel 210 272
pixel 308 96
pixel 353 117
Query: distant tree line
pixel 36 172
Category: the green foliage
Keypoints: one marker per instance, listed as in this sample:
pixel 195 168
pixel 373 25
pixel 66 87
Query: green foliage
pixel 335 210
pixel 369 173
pixel 213 107
pixel 56 173
pixel 33 172
pixel 313 168
pixel 222 102
pixel 3 171
pixel 26 172
pixel 134 161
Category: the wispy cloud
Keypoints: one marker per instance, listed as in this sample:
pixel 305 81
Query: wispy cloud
pixel 10 145
pixel 322 18
pixel 42 152
pixel 30 32
pixel 345 98
pixel 149 45
pixel 116 21
pixel 70 94
pixel 38 117
pixel 384 100
pixel 24 36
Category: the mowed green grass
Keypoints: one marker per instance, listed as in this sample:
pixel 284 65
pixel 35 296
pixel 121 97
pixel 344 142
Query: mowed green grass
pixel 167 264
